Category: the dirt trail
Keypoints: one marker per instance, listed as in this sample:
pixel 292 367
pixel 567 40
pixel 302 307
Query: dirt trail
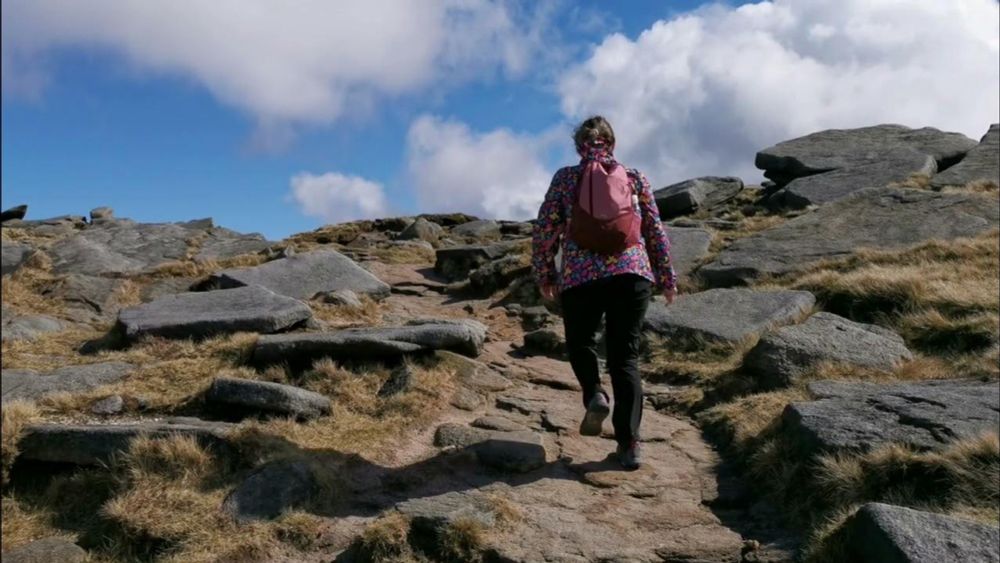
pixel 580 506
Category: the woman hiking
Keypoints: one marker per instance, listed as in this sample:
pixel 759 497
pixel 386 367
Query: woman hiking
pixel 615 253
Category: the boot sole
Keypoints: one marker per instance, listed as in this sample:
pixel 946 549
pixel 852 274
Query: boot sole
pixel 593 421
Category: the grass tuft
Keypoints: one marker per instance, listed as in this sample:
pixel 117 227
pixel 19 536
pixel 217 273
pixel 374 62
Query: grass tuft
pixel 17 415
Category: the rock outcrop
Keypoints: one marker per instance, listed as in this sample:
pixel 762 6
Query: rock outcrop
pixel 981 163
pixel 24 384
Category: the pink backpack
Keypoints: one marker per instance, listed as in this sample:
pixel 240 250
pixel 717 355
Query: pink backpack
pixel 604 218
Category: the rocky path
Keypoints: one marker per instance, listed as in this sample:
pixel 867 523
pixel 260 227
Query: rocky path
pixel 571 499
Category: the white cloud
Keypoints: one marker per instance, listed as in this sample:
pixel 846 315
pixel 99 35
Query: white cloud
pixel 308 61
pixel 498 174
pixel 702 92
pixel 336 198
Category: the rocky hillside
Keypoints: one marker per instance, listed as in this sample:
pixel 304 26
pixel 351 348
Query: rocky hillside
pixel 826 387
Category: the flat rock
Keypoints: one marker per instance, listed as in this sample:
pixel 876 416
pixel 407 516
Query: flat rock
pixel 782 356
pixel 272 489
pixel 471 373
pixel 95 444
pixel 818 189
pixel 982 163
pixel 379 343
pixel 498 423
pixel 303 276
pixel 845 148
pixel 688 247
pixel 47 550
pixel 267 397
pixel 882 533
pixel 202 314
pixel 466 399
pixel 32 385
pixel 29 327
pixel 431 517
pixel 544 341
pixel 13 256
pixel 727 315
pixel 862 416
pixel 517 451
pixel 695 194
pixel 883 218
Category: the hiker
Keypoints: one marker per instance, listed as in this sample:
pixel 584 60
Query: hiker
pixel 615 253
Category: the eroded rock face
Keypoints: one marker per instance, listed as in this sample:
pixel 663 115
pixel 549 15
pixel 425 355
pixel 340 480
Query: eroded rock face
pixel 818 189
pixel 95 444
pixel 862 416
pixel 982 163
pixel 883 218
pixel 727 315
pixel 32 385
pixel 882 533
pixel 121 247
pixel 457 262
pixel 381 343
pixel 203 314
pixel 785 354
pixel 267 397
pixel 303 276
pixel 696 194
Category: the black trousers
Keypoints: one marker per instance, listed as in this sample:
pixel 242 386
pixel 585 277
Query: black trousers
pixel 621 301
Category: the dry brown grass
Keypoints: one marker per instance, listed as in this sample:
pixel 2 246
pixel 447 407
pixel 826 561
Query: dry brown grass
pixel 405 254
pixel 16 416
pixel 24 524
pixel 340 316
pixel 742 423
pixel 694 360
pixel 385 540
pixel 361 422
pixel 917 181
pixel 976 187
pixel 191 268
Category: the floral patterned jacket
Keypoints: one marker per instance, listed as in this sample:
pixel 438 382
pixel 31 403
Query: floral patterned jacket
pixel 649 258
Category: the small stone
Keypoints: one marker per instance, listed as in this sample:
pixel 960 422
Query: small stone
pixel 544 341
pixel 270 490
pixel 343 298
pixel 498 423
pixel 113 404
pixel 466 399
pixel 400 380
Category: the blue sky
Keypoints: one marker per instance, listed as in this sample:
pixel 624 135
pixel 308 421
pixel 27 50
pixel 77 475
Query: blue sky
pixel 109 123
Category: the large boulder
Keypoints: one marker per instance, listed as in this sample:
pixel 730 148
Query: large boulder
pixel 727 315
pixel 882 533
pixel 847 148
pixel 455 263
pixel 982 163
pixel 272 489
pixel 220 243
pixel 24 384
pixel 245 395
pixel 688 247
pixel 14 255
pixel 884 218
pixel 118 247
pixel 95 444
pixel 421 229
pixel 203 314
pixel 861 416
pixel 498 274
pixel 481 229
pixel 696 194
pixel 782 356
pixel 46 550
pixel 379 343
pixel 817 189
pixel 303 276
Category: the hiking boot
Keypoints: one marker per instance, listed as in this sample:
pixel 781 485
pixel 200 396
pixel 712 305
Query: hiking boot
pixel 597 411
pixel 630 455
